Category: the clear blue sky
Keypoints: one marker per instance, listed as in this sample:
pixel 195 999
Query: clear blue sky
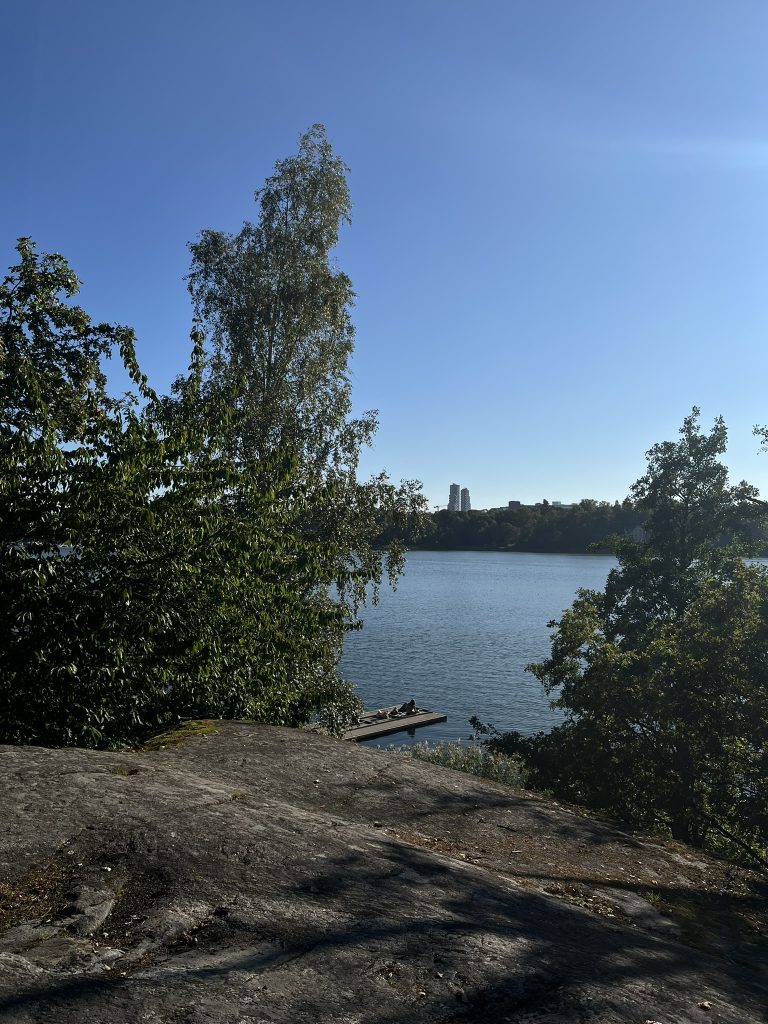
pixel 560 234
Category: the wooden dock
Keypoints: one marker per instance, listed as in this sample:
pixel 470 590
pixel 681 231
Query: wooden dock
pixel 371 726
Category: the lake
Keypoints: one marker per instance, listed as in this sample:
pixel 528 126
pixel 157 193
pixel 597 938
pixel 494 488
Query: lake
pixel 458 632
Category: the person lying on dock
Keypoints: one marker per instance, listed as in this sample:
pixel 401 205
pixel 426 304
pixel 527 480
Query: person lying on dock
pixel 404 709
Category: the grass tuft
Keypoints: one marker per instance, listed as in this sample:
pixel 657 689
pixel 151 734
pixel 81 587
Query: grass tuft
pixel 508 769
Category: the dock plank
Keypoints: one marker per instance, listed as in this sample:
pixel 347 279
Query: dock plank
pixel 389 726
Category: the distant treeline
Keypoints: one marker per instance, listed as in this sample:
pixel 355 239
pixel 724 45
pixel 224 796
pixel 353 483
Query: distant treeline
pixel 541 527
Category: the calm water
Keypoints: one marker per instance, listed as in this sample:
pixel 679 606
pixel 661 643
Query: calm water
pixel 458 632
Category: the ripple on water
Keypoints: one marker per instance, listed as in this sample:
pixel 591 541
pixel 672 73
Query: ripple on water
pixel 458 632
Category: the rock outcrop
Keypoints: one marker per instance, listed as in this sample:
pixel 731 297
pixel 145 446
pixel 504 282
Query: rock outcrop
pixel 256 874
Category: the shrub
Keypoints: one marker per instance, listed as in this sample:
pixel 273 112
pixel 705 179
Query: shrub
pixel 510 770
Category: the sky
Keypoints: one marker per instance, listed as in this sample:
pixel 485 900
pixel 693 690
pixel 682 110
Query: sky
pixel 559 241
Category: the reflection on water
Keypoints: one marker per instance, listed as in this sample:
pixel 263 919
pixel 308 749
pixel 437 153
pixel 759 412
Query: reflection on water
pixel 458 632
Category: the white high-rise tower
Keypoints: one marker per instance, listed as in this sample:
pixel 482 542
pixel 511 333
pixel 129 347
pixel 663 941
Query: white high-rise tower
pixel 454 498
pixel 465 505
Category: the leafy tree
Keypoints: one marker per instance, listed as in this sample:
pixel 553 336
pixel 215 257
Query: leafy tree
pixel 276 314
pixel 146 573
pixel 664 676
pixel 169 556
pixel 582 527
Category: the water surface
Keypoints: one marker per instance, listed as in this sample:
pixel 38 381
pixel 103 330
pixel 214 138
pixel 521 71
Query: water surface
pixel 458 632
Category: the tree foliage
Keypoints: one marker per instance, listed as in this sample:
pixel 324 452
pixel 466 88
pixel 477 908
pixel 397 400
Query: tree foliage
pixel 146 573
pixel 541 527
pixel 276 314
pixel 199 554
pixel 663 677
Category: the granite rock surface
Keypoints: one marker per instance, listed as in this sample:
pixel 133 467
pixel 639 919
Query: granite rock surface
pixel 256 875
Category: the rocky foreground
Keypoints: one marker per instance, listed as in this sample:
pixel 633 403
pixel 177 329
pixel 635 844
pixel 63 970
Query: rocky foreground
pixel 256 874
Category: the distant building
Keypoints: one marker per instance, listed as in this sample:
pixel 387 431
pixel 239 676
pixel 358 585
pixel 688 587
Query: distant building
pixel 465 505
pixel 514 504
pixel 454 498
